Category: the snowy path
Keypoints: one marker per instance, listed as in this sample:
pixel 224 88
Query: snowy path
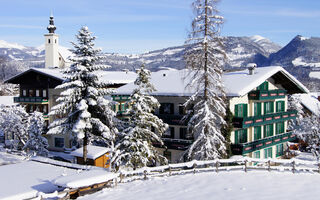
pixel 6 158
pixel 258 185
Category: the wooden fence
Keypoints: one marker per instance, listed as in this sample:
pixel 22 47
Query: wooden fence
pixel 242 164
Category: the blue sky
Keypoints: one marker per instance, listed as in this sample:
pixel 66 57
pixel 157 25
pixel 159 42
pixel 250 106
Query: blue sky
pixel 136 26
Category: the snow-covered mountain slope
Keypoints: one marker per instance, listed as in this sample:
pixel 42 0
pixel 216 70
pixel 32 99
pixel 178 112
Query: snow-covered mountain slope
pixel 240 51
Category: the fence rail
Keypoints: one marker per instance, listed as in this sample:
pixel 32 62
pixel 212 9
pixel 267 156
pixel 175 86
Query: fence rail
pixel 240 164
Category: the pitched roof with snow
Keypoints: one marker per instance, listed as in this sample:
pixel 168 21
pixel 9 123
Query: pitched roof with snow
pixel 112 77
pixel 93 152
pixel 239 83
pixel 311 102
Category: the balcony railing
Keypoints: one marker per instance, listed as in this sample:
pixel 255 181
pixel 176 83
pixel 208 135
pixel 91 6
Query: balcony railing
pixel 267 94
pixel 173 119
pixel 240 149
pixel 177 144
pixel 245 122
pixel 30 99
pixel 120 97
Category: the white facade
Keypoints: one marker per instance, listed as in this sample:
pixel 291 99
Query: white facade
pixel 52 50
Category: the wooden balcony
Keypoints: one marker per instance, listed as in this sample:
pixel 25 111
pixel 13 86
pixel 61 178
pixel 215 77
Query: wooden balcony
pixel 177 144
pixel 30 100
pixel 240 149
pixel 245 122
pixel 267 94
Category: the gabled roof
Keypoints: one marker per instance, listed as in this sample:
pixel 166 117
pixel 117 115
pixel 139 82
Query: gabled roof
pixel 239 83
pixel 311 102
pixel 94 152
pixel 52 73
pixel 112 77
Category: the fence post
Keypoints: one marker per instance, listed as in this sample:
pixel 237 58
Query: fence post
pixel 269 165
pixel 194 168
pixel 121 177
pixel 169 170
pixel 217 166
pixel 318 167
pixel 245 166
pixel 145 174
pixel 293 166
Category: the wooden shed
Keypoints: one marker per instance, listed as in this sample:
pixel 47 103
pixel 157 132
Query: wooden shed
pixel 97 156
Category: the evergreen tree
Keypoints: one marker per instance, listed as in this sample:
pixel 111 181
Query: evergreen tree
pixel 36 143
pixel 14 122
pixel 84 110
pixel 205 59
pixel 305 126
pixel 135 149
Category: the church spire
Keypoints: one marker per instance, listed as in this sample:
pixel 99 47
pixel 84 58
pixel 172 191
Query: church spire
pixel 51 28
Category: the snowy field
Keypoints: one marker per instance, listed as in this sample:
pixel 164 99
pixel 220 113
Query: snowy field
pixel 258 185
pixel 6 159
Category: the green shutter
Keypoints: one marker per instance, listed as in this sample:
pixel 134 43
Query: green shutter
pixel 236 113
pixel 245 110
pixel 236 133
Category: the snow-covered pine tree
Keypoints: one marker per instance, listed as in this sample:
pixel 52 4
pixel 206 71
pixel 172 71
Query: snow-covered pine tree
pixel 135 148
pixel 205 59
pixel 83 108
pixel 14 122
pixel 306 126
pixel 36 143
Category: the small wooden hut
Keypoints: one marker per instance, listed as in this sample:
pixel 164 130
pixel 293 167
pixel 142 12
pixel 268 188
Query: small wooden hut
pixel 97 156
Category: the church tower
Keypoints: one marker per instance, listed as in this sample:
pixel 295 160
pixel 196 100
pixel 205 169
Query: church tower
pixel 51 46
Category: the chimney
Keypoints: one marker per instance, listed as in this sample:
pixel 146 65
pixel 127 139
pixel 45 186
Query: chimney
pixel 251 67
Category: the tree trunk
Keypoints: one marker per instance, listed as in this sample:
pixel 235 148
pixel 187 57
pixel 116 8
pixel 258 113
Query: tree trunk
pixel 85 149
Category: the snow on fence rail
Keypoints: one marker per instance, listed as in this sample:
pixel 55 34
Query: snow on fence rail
pixel 80 185
pixel 242 163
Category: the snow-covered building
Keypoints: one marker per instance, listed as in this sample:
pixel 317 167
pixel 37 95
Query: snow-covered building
pixel 97 156
pixel 310 103
pixel 37 85
pixel 257 99
pixel 38 93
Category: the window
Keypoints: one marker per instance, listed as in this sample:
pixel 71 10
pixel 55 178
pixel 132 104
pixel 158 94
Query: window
pixel 44 93
pixel 257 109
pixel 279 150
pixel 24 92
pixel 241 110
pixel 167 154
pixel 182 109
pixel 45 109
pixel 184 134
pixel 49 41
pixel 240 136
pixel 268 153
pixel 268 107
pixel 268 130
pixel 280 106
pixel 256 154
pixel 169 133
pixel 55 41
pixel 31 93
pixel 257 132
pixel 264 86
pixel 37 93
pixel 59 142
pixel 166 108
pixel 279 127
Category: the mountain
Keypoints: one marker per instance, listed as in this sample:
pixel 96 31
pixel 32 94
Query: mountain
pixel 240 52
pixel 300 51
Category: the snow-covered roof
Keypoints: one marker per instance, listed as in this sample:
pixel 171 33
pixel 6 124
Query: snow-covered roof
pixel 65 53
pixel 238 83
pixel 310 101
pixel 112 77
pixel 6 100
pixel 26 179
pixel 93 152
